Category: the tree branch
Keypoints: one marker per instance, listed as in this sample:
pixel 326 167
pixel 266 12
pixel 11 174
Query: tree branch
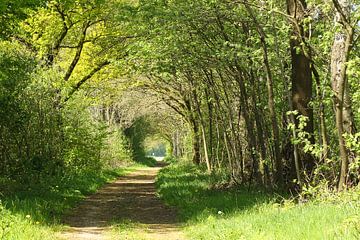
pixel 264 8
pixel 53 52
pixel 85 78
pixel 78 52
pixel 25 43
pixel 339 9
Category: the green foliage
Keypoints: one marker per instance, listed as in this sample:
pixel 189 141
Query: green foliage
pixel 303 138
pixel 40 137
pixel 21 111
pixel 171 159
pixel 148 161
pixel 84 137
pixel 353 144
pixel 12 12
pixel 206 61
pixel 116 148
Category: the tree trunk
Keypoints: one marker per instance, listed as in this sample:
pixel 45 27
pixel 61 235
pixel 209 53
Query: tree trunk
pixel 301 77
pixel 202 127
pixel 271 101
pixel 249 123
pixel 323 128
pixel 195 130
pixel 260 132
pixel 339 56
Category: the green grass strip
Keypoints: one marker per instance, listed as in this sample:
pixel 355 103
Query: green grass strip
pixel 235 214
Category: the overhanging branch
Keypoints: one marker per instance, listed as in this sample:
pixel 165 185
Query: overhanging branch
pixel 77 86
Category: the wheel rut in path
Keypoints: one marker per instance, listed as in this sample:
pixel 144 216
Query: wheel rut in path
pixel 131 198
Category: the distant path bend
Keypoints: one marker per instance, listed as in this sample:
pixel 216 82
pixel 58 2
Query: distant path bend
pixel 131 198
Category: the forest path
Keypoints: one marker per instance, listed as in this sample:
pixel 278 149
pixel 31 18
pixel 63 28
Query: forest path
pixel 125 209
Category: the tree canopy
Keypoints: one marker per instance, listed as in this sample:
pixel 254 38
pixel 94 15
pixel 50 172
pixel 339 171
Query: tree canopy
pixel 266 91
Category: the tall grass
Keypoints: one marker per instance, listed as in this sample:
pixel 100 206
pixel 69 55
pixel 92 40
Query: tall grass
pixel 238 214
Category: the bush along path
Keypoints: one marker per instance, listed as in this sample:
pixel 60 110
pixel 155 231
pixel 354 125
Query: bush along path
pixel 125 209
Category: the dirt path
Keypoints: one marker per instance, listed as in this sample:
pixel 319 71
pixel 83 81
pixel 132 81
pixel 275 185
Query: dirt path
pixel 129 202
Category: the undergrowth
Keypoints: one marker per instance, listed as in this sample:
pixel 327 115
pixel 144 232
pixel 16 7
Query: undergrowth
pixel 211 213
pixel 170 159
pixel 147 161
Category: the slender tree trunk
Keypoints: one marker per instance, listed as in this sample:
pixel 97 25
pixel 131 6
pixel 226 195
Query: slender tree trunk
pixel 236 145
pixel 174 145
pixel 210 121
pixel 196 146
pixel 207 161
pixel 201 120
pixel 195 131
pixel 271 102
pixel 260 132
pixel 296 150
pixel 323 128
pixel 249 126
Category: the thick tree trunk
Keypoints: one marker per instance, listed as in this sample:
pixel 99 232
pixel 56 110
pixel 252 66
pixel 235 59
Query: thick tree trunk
pixel 301 73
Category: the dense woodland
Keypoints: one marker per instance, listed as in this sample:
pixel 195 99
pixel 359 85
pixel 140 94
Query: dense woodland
pixel 265 92
pixel 252 100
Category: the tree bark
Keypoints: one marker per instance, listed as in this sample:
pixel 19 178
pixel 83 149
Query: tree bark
pixel 301 77
pixel 339 56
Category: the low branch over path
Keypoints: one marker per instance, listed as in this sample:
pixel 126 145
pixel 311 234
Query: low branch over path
pixel 130 201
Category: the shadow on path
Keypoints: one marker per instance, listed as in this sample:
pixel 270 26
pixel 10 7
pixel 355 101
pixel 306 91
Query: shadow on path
pixel 131 198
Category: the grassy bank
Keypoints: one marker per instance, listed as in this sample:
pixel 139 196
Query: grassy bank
pixel 34 211
pixel 239 214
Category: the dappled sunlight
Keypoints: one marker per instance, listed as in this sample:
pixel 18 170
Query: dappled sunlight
pixel 189 188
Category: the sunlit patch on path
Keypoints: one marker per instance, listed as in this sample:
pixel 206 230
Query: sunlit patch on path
pixel 130 199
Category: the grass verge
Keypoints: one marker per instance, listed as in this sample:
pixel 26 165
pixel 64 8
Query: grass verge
pixel 34 211
pixel 239 214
